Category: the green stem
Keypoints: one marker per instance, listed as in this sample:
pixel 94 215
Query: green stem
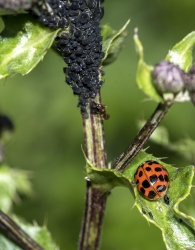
pixel 16 234
pixel 95 201
pixel 144 134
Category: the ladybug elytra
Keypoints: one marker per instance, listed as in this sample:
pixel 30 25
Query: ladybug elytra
pixel 152 180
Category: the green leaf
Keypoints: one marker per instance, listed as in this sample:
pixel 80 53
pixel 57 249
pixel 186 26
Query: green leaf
pixel 181 53
pixel 178 229
pixel 106 179
pixel 23 43
pixel 40 234
pixel 112 43
pixel 143 75
pixel 12 181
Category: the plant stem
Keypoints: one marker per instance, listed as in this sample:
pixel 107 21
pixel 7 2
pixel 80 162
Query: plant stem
pixel 16 234
pixel 144 134
pixel 95 198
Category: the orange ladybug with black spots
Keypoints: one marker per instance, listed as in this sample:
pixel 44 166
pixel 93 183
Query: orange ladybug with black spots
pixel 152 180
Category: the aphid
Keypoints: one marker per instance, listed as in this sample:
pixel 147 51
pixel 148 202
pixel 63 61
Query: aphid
pixel 91 3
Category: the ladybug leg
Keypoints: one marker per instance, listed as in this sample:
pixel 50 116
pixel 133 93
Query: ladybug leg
pixel 166 199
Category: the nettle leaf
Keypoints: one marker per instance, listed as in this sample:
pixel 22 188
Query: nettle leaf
pixel 40 234
pixel 143 75
pixel 23 43
pixel 12 181
pixel 181 53
pixel 112 42
pixel 106 179
pixel 178 229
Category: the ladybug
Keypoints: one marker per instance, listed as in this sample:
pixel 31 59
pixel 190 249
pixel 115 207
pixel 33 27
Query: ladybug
pixel 152 180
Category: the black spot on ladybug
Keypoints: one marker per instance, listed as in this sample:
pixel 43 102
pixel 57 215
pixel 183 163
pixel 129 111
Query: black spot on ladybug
pixel 148 169
pixel 151 194
pixel 140 173
pixel 160 177
pixel 150 162
pixel 142 190
pixel 161 188
pixel 153 179
pixel 145 184
pixel 137 182
pixel 151 215
pixel 157 169
pixel 166 199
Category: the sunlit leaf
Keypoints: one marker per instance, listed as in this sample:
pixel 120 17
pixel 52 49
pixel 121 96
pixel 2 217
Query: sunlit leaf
pixel 112 42
pixel 12 181
pixel 23 44
pixel 143 75
pixel 181 53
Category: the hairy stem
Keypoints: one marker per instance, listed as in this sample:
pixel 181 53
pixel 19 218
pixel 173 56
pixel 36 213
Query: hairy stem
pixel 16 234
pixel 144 134
pixel 95 200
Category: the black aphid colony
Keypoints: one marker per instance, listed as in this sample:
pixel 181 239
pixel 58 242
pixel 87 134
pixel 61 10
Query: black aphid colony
pixel 81 46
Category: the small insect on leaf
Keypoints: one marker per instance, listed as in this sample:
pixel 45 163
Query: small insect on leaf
pixel 152 180
pixel 91 3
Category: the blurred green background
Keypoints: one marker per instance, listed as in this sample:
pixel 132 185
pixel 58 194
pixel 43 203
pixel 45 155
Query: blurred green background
pixel 48 132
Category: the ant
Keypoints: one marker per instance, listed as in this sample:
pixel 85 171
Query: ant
pixel 98 108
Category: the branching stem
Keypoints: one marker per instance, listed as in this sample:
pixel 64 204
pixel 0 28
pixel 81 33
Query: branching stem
pixel 95 198
pixel 16 234
pixel 144 134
